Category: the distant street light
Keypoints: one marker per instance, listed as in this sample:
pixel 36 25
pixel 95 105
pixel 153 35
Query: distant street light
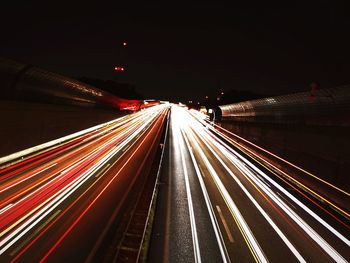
pixel 219 97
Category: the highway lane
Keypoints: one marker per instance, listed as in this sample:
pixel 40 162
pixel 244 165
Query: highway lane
pixel 57 203
pixel 181 221
pixel 261 217
pixel 334 197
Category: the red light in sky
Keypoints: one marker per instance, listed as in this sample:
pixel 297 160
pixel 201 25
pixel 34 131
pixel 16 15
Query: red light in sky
pixel 125 44
pixel 118 68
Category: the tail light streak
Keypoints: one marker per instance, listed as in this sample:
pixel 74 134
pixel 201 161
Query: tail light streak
pixel 65 183
pixel 92 203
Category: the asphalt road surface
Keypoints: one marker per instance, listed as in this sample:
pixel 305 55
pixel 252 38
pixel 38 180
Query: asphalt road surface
pixel 58 205
pixel 216 204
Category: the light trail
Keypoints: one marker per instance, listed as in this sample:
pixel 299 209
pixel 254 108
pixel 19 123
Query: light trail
pixel 5 208
pixel 251 241
pixel 180 146
pixel 66 141
pixel 290 196
pixel 103 135
pixel 281 159
pixel 44 195
pixel 16 182
pixel 200 118
pixel 48 145
pixel 260 209
pixel 241 223
pixel 77 161
pixel 214 222
pixel 291 178
pixel 227 151
pixel 92 203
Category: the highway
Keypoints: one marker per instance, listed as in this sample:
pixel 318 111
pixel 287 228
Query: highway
pixel 63 203
pixel 217 204
pixel 68 203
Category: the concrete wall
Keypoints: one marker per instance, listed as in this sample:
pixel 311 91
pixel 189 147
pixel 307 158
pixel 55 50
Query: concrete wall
pixel 24 125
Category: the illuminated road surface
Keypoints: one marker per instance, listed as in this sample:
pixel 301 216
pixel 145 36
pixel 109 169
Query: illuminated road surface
pixel 218 205
pixel 59 205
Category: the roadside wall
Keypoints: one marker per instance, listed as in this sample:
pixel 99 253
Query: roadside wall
pixel 25 125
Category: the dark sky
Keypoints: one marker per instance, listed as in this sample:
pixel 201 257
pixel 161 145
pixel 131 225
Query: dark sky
pixel 188 51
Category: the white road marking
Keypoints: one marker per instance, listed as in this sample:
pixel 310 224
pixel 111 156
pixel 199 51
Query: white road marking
pixel 228 232
pixel 214 222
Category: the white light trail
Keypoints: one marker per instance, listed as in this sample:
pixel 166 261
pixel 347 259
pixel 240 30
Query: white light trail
pixel 241 223
pixel 180 146
pixel 260 209
pixel 308 230
pixel 27 177
pixel 218 235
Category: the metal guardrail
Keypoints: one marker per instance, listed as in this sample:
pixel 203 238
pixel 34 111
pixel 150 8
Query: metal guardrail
pixel 300 106
pixel 141 255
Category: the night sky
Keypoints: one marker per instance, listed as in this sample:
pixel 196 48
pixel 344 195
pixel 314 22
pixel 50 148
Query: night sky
pixel 184 52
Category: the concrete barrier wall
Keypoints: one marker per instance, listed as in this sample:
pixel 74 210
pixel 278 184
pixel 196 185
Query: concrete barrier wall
pixel 25 125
